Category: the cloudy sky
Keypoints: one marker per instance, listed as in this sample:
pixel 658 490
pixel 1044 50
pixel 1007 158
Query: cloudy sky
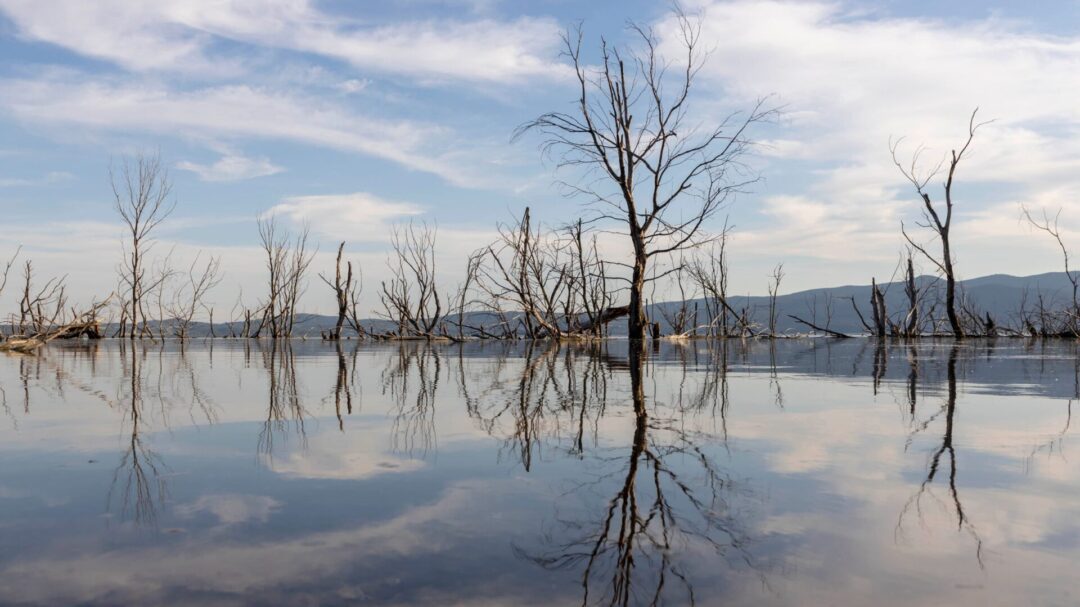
pixel 352 116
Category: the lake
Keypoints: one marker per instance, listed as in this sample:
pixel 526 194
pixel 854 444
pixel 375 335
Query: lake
pixel 791 472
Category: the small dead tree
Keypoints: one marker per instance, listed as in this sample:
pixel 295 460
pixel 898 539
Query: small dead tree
pixel 142 196
pixel 40 308
pixel 774 290
pixel 1071 321
pixel 342 291
pixel 911 324
pixel 4 278
pixel 938 219
pixel 191 296
pixel 646 165
pixel 878 310
pixel 411 297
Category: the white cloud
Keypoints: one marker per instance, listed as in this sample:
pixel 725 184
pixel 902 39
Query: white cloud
pixel 179 37
pixel 231 167
pixel 358 217
pixel 241 111
pixel 850 80
pixel 49 178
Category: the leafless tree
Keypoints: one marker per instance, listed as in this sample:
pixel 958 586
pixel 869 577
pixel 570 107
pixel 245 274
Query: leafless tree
pixel 287 262
pixel 936 219
pixel 646 165
pixel 191 296
pixel 40 308
pixel 4 277
pixel 411 297
pixel 343 289
pixel 878 310
pixel 710 272
pixel 774 290
pixel 142 194
pixel 911 324
pixel 1050 226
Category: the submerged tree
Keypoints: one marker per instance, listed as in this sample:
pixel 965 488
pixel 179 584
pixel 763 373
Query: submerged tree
pixel 411 297
pixel 287 262
pixel 938 219
pixel 142 196
pixel 647 165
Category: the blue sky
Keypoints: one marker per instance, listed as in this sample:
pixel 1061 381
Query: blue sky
pixel 353 116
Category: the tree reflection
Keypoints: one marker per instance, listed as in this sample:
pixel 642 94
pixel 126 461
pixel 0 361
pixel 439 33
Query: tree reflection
pixel 946 450
pixel 285 410
pixel 412 378
pixel 138 476
pixel 344 383
pixel 670 498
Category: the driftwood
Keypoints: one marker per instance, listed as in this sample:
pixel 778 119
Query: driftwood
pixel 829 332
pixel 84 325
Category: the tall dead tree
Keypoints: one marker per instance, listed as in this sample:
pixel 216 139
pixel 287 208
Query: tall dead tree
pixel 936 218
pixel 645 164
pixel 142 196
pixel 342 291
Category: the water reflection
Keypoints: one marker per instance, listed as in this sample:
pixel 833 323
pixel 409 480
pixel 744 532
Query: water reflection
pixel 599 472
pixel 633 550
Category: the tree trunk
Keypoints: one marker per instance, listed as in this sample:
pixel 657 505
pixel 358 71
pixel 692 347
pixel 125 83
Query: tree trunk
pixel 950 288
pixel 638 321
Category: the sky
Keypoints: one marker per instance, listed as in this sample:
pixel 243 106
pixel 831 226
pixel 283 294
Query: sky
pixel 352 117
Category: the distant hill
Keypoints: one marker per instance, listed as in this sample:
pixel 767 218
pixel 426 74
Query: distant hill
pixel 1000 295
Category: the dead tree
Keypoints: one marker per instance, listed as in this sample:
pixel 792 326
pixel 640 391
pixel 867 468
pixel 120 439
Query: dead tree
pixel 646 165
pixel 4 278
pixel 411 298
pixel 589 277
pixel 774 290
pixel 287 262
pixel 342 291
pixel 911 324
pixel 878 310
pixel 142 194
pixel 43 307
pixel 936 219
pixel 1069 324
pixel 190 298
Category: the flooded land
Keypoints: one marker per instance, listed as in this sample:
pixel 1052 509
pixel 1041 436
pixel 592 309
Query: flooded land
pixel 783 472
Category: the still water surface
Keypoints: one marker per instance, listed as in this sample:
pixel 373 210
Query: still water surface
pixel 788 473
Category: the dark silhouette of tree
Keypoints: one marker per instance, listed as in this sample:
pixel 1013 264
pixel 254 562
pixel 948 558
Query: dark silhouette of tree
pixel 646 165
pixel 939 220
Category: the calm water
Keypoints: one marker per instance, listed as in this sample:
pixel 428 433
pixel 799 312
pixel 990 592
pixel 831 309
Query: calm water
pixel 794 473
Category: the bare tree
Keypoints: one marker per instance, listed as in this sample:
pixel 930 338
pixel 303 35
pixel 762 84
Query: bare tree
pixel 936 219
pixel 342 291
pixel 1050 226
pixel 646 165
pixel 911 326
pixel 774 290
pixel 142 194
pixel 411 297
pixel 287 262
pixel 4 277
pixel 43 307
pixel 191 296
